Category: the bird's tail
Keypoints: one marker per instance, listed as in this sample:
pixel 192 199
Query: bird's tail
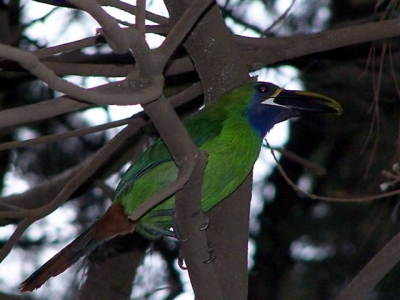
pixel 110 225
pixel 61 261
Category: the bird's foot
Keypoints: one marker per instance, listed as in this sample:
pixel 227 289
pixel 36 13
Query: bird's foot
pixel 210 249
pixel 177 233
pixel 178 236
pixel 175 227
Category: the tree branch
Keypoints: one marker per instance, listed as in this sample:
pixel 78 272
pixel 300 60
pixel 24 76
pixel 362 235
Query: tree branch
pixel 181 30
pixel 260 52
pixel 202 275
pixel 373 272
pixel 125 96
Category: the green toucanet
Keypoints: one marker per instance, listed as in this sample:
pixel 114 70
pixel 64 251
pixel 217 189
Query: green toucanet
pixel 230 130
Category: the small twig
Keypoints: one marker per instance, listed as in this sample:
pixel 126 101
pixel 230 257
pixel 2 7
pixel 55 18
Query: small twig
pixel 65 135
pixel 186 95
pixel 14 238
pixel 141 15
pixel 300 160
pixel 330 199
pixel 132 10
pixel 393 69
pixel 67 47
pixel 107 190
pixel 277 21
pixel 109 26
pixel 376 119
pixel 90 69
pixel 10 206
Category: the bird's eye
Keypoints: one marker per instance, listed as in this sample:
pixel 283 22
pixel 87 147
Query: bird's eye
pixel 262 88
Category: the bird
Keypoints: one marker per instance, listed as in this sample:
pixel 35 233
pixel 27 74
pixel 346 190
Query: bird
pixel 230 130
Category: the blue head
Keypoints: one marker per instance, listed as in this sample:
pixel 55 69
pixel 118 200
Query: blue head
pixel 271 104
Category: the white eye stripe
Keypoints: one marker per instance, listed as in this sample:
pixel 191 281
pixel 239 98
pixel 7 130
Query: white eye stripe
pixel 270 101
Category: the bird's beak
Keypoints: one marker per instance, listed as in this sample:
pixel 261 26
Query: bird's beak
pixel 304 102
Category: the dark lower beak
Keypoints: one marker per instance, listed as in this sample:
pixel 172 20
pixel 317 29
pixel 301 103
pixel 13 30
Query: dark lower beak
pixel 307 102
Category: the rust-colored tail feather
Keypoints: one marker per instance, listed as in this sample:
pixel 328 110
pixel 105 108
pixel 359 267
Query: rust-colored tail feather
pixel 114 222
pixel 61 261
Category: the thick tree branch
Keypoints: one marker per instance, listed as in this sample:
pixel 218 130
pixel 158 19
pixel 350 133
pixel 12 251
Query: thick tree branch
pixel 373 272
pixel 260 52
pixel 202 275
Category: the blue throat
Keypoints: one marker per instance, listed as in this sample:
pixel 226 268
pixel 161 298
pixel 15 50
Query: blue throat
pixel 263 117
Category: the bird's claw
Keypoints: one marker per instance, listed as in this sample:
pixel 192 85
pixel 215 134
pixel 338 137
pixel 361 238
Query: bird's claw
pixel 206 222
pixel 211 252
pixel 181 261
pixel 175 227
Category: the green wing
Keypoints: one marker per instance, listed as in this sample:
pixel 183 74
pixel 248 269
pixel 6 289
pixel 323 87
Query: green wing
pixel 201 129
pixel 151 158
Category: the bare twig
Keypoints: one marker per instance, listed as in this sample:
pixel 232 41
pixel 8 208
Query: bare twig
pixel 141 15
pixel 186 95
pixel 300 160
pixel 65 135
pixel 15 236
pixel 330 199
pixel 277 21
pixel 68 47
pixel 132 9
pixel 109 26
